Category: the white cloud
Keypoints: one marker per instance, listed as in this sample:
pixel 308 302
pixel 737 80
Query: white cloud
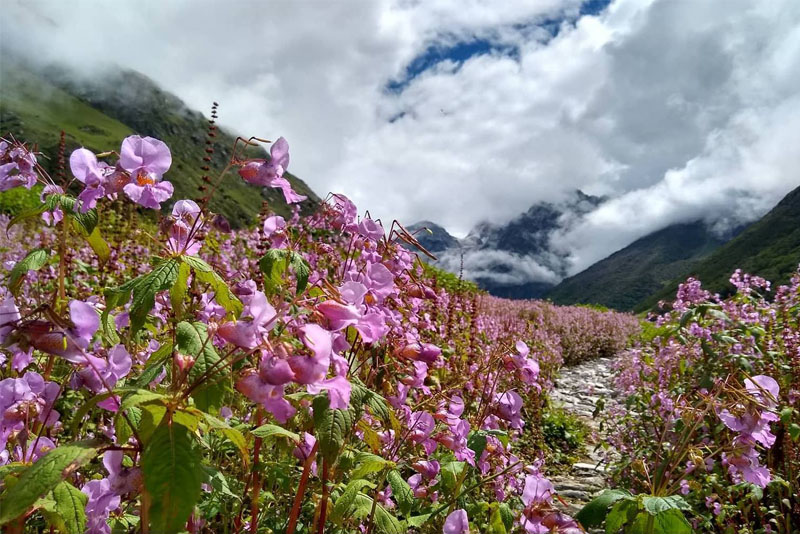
pixel 677 109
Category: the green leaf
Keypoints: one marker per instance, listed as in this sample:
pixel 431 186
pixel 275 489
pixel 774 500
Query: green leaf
pixel 401 492
pixel 418 520
pixel 144 289
pixel 43 476
pixel 621 513
pixel 84 409
pixel 594 512
pixel 99 245
pixel 172 470
pixel 275 263
pixel 268 431
pixel 139 397
pixel 656 505
pixel 177 293
pixel 34 261
pixel 192 339
pixel 332 426
pixel 343 505
pixel 109 329
pixel 24 215
pixel 369 463
pixel 672 522
pixel 450 471
pixel 70 505
pixel 301 271
pixel 496 523
pixel 385 522
pixel 233 435
pixel 122 429
pixel 154 364
pixel 222 293
pixel 794 431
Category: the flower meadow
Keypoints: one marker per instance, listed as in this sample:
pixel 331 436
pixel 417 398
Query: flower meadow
pixel 162 373
pixel 710 420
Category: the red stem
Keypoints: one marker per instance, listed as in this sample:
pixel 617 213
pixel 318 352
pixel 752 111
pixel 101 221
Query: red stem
pixel 301 489
pixel 323 505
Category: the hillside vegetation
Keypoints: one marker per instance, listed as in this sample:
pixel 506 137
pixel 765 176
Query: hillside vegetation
pixel 98 115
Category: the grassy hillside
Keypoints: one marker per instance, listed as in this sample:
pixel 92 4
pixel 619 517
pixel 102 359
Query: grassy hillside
pixel 632 274
pixel 769 247
pixel 98 115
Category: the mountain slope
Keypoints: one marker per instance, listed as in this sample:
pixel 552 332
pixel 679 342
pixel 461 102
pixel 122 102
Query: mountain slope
pixel 98 114
pixel 770 247
pixel 632 274
pixel 433 237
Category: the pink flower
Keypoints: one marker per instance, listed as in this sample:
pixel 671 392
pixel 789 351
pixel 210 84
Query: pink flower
pixel 456 523
pixel 183 228
pixel 17 166
pixel 85 167
pixel 146 159
pixel 314 368
pixel 269 173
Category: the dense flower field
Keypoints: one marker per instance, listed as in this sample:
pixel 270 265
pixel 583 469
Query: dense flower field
pixel 711 418
pixel 161 373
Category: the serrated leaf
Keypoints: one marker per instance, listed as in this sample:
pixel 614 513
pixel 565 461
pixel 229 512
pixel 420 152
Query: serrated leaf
pixel 656 505
pixel 33 261
pixel 401 492
pixel 177 293
pixel 139 397
pixel 450 471
pixel 154 364
pixel 70 505
pixel 331 426
pixel 622 512
pixel 368 463
pixel 172 471
pixel 418 520
pixel 496 524
pixel 672 521
pixel 122 430
pixel 273 264
pixel 222 293
pixel 384 521
pixel 44 475
pixel 144 289
pixel 192 339
pixel 274 431
pixel 84 223
pixel 301 271
pixel 594 512
pixel 342 506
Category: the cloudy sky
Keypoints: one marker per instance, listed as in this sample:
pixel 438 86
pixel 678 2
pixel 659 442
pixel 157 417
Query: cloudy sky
pixel 458 111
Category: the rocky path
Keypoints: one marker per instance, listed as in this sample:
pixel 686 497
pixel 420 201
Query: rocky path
pixel 577 390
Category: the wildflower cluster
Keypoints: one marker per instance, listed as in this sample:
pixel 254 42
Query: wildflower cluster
pixel 304 375
pixel 710 410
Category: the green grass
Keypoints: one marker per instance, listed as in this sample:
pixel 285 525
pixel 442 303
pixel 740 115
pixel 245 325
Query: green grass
pixel 37 106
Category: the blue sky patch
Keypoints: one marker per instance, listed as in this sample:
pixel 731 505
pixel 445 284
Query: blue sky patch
pixel 460 52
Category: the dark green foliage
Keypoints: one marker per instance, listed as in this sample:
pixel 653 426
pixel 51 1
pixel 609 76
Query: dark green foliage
pixel 172 469
pixel 634 273
pixel 564 435
pixel 769 247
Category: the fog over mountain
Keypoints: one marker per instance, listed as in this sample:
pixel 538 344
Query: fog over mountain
pixel 463 111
